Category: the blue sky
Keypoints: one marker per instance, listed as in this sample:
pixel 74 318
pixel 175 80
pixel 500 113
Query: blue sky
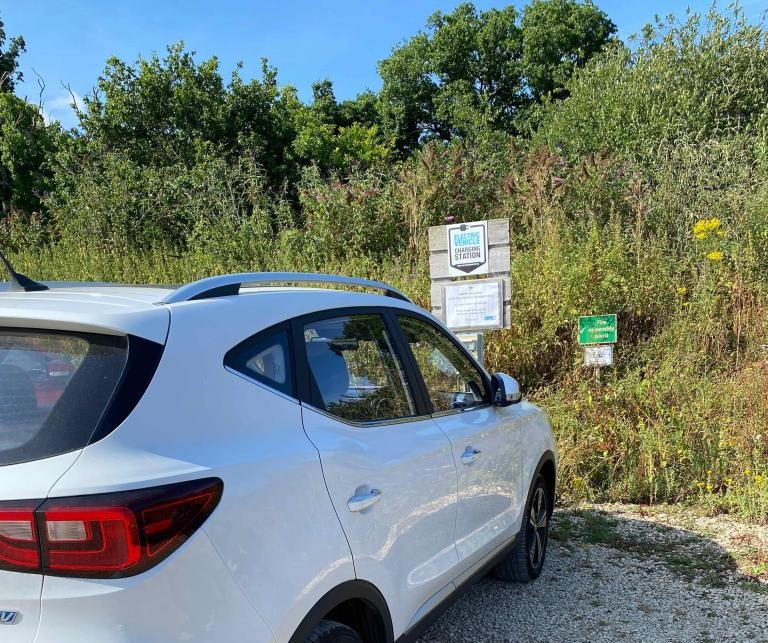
pixel 307 40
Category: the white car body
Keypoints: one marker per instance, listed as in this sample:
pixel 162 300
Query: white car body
pixel 282 547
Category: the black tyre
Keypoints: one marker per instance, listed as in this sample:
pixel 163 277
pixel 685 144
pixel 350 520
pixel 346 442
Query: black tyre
pixel 525 562
pixel 333 632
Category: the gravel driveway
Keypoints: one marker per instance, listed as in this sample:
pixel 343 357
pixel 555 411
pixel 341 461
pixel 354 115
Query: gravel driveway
pixel 625 573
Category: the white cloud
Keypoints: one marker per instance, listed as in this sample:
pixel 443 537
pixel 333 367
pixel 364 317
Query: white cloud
pixel 61 109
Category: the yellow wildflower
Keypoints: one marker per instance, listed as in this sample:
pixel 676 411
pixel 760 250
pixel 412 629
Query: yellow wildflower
pixel 715 255
pixel 682 290
pixel 759 479
pixel 705 227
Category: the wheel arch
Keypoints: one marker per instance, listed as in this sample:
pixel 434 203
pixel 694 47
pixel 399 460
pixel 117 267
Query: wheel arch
pixel 357 604
pixel 547 468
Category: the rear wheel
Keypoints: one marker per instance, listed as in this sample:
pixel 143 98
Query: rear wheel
pixel 333 632
pixel 525 562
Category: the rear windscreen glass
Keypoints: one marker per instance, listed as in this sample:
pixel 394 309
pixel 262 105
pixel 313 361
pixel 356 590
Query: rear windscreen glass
pixel 54 389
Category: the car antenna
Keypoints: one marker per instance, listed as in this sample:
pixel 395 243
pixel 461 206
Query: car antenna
pixel 19 282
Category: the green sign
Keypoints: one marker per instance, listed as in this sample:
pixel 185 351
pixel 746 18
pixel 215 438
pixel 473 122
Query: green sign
pixel 597 329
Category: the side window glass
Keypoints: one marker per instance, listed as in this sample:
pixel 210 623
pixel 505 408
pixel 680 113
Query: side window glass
pixel 356 374
pixel 452 380
pixel 266 358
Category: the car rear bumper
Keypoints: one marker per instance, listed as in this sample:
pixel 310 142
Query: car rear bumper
pixel 190 597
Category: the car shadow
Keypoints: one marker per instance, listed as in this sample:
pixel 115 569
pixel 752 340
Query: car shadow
pixel 613 577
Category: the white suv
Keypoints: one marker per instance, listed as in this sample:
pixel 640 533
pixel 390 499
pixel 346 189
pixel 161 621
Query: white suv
pixel 246 458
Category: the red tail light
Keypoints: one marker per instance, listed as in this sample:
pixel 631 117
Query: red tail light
pixel 19 550
pixel 86 540
pixel 105 536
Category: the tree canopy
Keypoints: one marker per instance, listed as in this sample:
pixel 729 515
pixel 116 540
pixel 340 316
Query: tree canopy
pixel 472 69
pixel 26 148
pixel 469 72
pixel 9 60
pixel 560 36
pixel 26 143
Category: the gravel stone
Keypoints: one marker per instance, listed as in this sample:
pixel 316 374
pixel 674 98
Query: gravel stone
pixel 617 573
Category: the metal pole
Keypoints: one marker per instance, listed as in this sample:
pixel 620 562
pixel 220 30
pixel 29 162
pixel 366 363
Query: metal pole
pixel 481 348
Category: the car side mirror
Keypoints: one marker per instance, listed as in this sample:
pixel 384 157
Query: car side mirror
pixel 506 390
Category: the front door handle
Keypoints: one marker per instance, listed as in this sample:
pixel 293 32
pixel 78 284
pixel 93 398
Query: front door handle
pixel 358 503
pixel 470 455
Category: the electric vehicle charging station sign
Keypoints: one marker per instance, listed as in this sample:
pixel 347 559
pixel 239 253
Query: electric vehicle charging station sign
pixel 468 249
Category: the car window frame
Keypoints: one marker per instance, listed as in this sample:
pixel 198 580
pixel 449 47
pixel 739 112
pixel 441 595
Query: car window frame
pixel 414 365
pixel 304 387
pixel 283 326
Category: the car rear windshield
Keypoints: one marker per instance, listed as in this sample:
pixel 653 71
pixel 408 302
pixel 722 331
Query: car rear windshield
pixel 54 389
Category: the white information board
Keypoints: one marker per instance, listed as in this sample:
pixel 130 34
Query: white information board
pixel 598 355
pixel 474 305
pixel 468 249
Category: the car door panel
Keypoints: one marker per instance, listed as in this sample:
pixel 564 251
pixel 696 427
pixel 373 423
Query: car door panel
pixel 404 543
pixel 484 438
pixel 489 506
pixel 388 466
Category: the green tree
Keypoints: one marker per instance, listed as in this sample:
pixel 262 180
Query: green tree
pixel 472 70
pixel 559 36
pixel 363 109
pixel 701 79
pixel 464 64
pixel 9 61
pixel 26 147
pixel 168 111
pixel 324 103
pixel 174 110
pixel 338 136
pixel 27 144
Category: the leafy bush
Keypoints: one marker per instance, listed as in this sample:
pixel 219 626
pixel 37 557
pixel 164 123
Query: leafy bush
pixel 692 82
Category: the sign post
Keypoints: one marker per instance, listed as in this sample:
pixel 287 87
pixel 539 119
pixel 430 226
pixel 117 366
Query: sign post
pixel 469 266
pixel 597 335
pixel 473 342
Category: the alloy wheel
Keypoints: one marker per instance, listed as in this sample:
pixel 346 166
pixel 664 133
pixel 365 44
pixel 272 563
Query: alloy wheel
pixel 537 528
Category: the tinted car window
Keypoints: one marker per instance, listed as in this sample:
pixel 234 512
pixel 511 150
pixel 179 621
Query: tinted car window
pixel 54 388
pixel 266 358
pixel 452 380
pixel 356 374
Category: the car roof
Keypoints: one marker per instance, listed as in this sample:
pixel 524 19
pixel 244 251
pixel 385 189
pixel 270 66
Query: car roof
pixel 101 308
pixel 137 309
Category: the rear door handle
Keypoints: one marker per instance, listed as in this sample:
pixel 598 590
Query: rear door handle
pixel 358 503
pixel 470 455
